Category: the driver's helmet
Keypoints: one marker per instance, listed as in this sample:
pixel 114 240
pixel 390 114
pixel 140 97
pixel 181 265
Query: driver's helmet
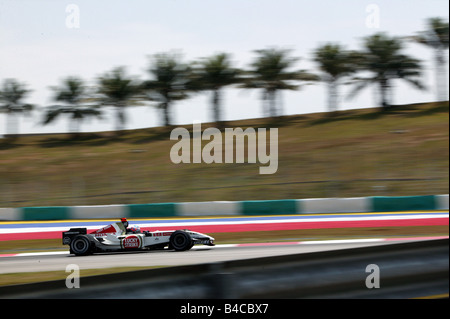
pixel 124 222
pixel 135 229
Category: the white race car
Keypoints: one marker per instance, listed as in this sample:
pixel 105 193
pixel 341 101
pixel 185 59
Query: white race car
pixel 118 237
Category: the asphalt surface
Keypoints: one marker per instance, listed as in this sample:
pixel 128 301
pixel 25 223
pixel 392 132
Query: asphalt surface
pixel 202 254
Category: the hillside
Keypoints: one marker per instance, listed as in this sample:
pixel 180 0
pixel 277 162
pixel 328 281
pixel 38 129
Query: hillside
pixel 351 153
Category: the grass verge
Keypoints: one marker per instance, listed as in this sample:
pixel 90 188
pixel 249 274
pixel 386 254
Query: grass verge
pixel 350 153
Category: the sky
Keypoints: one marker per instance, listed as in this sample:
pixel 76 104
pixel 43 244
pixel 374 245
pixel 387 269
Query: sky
pixel 44 41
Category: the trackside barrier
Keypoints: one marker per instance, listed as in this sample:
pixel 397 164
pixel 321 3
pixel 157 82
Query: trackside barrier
pixel 100 211
pixel 256 207
pixel 208 208
pixel 269 207
pixel 10 214
pixel 442 202
pixel 335 205
pixel 406 270
pixel 146 210
pixel 388 204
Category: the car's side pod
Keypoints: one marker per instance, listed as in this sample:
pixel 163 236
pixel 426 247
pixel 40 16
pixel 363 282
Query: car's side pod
pixel 67 236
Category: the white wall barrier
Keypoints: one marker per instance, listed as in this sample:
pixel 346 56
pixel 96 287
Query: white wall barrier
pixel 334 205
pixel 208 208
pixel 100 211
pixel 441 202
pixel 10 214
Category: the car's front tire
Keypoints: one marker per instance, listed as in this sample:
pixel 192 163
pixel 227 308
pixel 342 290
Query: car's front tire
pixel 81 245
pixel 180 241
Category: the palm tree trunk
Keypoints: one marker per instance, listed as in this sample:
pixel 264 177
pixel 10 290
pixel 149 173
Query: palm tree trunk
pixel 441 75
pixel 216 106
pixel 74 127
pixel 265 107
pixel 384 91
pixel 280 103
pixel 272 103
pixel 12 124
pixel 332 96
pixel 166 114
pixel 8 123
pixel 120 118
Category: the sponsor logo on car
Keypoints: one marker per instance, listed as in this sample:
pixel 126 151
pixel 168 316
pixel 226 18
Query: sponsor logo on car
pixel 131 242
pixel 162 234
pixel 103 232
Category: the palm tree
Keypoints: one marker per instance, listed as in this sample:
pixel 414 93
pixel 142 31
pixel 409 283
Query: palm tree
pixel 336 63
pixel 383 58
pixel 436 38
pixel 11 96
pixel 270 73
pixel 213 74
pixel 170 82
pixel 119 91
pixel 73 95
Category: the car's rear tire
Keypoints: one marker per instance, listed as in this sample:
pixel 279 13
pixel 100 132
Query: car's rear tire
pixel 180 240
pixel 81 245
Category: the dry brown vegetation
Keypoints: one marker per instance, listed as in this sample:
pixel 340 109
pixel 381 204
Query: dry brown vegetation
pixel 349 153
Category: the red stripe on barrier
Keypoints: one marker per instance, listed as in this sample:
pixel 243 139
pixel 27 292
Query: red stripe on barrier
pixel 25 236
pixel 318 225
pixel 260 227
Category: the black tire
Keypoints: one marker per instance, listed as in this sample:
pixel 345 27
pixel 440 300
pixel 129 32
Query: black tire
pixel 180 241
pixel 81 245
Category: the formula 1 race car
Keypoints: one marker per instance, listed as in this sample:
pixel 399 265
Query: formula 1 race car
pixel 118 237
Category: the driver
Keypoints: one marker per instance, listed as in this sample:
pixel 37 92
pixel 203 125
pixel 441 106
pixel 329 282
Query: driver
pixel 135 229
pixel 124 222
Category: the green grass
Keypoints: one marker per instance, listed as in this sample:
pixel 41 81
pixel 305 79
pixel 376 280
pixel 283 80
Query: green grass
pixel 351 153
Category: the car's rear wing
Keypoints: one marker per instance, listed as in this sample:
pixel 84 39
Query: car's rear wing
pixel 67 236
